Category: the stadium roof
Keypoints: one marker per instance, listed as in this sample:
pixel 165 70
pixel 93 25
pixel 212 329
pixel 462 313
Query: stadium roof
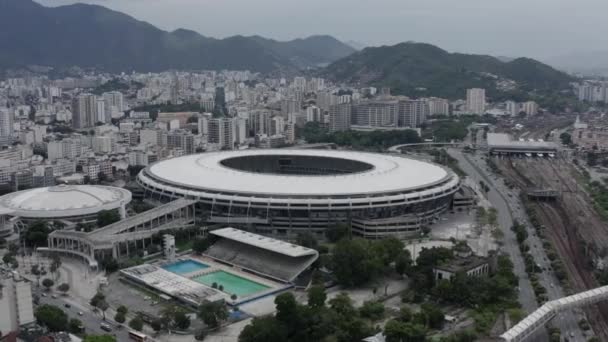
pixel 387 174
pixel 264 242
pixel 64 200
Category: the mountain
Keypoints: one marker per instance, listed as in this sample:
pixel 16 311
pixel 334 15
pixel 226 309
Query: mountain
pixel 417 68
pixel 94 36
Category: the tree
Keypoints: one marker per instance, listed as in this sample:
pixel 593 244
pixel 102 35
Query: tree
pixel 37 234
pixel 337 232
pixel 99 338
pixel 107 217
pixel 213 314
pixel 354 263
pixel 64 287
pixel 75 326
pixel 156 325
pixel 122 309
pixel 51 317
pixel 48 283
pixel 266 329
pixel 103 306
pixel 396 331
pixel 343 305
pixel 98 297
pixel 372 309
pixel 201 245
pixel 316 296
pixel 403 262
pixel 566 138
pixel 120 317
pixel 181 320
pixel 136 323
pixel 308 240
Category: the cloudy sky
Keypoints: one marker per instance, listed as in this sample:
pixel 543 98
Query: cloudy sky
pixel 534 28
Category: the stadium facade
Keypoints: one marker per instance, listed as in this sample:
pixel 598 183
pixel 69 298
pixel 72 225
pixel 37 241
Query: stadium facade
pixel 284 192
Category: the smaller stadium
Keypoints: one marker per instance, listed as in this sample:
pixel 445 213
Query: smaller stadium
pixel 73 203
pixel 239 267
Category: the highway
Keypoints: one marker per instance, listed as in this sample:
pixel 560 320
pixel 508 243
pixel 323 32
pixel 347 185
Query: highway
pixel 507 203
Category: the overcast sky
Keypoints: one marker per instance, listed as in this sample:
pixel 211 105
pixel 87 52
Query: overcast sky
pixel 534 28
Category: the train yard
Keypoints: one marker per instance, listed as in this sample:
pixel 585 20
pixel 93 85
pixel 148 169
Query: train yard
pixel 568 223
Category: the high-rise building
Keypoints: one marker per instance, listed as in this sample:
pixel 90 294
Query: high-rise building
pixel 259 122
pixel 223 131
pixel 340 117
pixel 181 139
pixel 313 114
pixel 511 108
pixel 476 101
pixel 438 106
pixel 412 113
pixel 113 103
pixel 585 92
pixel 6 122
pixel 101 111
pixel 529 107
pixel 277 125
pixel 381 113
pixel 84 111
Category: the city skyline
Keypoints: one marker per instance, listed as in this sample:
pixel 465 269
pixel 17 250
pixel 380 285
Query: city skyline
pixel 455 27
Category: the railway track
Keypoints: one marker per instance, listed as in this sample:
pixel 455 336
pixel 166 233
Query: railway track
pixel 563 220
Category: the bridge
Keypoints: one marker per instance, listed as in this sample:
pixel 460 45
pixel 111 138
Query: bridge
pixel 116 239
pixel 524 329
pixel 397 148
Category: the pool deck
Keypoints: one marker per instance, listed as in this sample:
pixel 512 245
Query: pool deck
pixel 214 266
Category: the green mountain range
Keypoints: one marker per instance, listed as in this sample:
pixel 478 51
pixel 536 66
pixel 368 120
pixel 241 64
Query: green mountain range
pixel 94 36
pixel 424 69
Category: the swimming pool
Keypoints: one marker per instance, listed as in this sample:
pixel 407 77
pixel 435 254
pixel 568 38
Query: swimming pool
pixel 232 284
pixel 185 266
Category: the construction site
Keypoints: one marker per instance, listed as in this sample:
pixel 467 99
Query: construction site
pixel 555 194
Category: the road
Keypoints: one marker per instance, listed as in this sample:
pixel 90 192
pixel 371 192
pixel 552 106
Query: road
pixel 91 321
pixel 507 204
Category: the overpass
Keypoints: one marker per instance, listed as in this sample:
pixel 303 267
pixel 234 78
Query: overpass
pixel 115 239
pixel 524 329
pixel 397 148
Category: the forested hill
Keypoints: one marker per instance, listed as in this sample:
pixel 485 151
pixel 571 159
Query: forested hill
pixel 424 69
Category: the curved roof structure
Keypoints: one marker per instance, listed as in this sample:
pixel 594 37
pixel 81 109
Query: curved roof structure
pixel 380 173
pixel 64 201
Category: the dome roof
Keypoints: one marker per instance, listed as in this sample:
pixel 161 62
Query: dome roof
pixel 64 200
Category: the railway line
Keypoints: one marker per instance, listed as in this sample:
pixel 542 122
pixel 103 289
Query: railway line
pixel 568 221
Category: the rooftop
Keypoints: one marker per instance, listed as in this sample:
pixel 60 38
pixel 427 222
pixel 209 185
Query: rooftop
pixel 264 242
pixel 64 200
pixel 387 173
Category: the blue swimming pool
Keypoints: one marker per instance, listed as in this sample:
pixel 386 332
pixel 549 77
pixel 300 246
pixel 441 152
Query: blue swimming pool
pixel 185 266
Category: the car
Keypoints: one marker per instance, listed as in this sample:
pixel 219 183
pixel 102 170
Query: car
pixel 67 305
pixel 54 296
pixel 105 327
pixel 80 313
pixel 572 334
pixel 44 295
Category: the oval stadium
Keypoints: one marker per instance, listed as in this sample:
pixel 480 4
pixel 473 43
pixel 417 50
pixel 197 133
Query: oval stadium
pixel 285 192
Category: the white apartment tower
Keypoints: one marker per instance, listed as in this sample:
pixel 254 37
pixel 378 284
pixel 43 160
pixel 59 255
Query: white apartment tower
pixel 339 117
pixel 6 122
pixel 84 111
pixel 222 131
pixel 476 101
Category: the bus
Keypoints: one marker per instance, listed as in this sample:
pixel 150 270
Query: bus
pixel 137 336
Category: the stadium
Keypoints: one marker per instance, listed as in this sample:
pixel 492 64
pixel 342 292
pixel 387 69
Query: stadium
pixel 284 192
pixel 75 203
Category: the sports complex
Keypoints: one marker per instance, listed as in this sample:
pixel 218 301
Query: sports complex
pixel 239 267
pixel 284 192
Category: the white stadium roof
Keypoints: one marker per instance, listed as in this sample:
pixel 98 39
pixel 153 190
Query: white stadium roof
pixel 389 173
pixel 64 201
pixel 264 242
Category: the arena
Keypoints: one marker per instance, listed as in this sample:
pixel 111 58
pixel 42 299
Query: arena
pixel 285 192
pixel 75 203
